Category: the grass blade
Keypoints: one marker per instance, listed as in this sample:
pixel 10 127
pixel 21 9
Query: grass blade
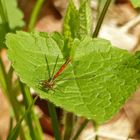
pixel 15 131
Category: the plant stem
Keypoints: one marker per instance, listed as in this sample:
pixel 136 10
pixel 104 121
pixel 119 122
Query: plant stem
pixel 10 75
pixel 7 90
pixel 3 77
pixel 101 18
pixel 83 125
pixel 55 124
pixel 34 14
pixel 32 120
pixel 69 121
pixel 2 12
pixel 11 125
pixel 95 125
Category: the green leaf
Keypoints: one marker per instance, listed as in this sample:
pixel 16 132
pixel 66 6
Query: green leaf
pixel 14 19
pixel 10 18
pixel 135 3
pixel 78 23
pixel 97 82
pixel 85 19
pixel 71 21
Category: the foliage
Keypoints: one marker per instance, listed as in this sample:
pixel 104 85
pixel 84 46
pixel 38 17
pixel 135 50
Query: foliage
pixel 136 3
pixel 78 23
pixel 95 78
pixel 98 80
pixel 10 18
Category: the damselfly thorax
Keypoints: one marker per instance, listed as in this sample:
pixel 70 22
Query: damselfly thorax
pixel 48 84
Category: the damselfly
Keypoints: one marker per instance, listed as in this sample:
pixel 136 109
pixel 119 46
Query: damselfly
pixel 49 84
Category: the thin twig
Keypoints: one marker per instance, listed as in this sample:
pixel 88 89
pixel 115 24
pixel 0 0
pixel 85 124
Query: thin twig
pixel 101 18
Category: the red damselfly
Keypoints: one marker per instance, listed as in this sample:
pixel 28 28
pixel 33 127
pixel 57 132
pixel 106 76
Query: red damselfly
pixel 50 83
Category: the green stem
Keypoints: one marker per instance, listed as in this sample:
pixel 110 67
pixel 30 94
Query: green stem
pixel 101 18
pixel 18 110
pixel 3 77
pixel 55 124
pixel 32 120
pixel 95 125
pixel 7 90
pixel 14 132
pixel 83 125
pixel 2 12
pixel 69 121
pixel 10 75
pixel 34 14
pixel 11 125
